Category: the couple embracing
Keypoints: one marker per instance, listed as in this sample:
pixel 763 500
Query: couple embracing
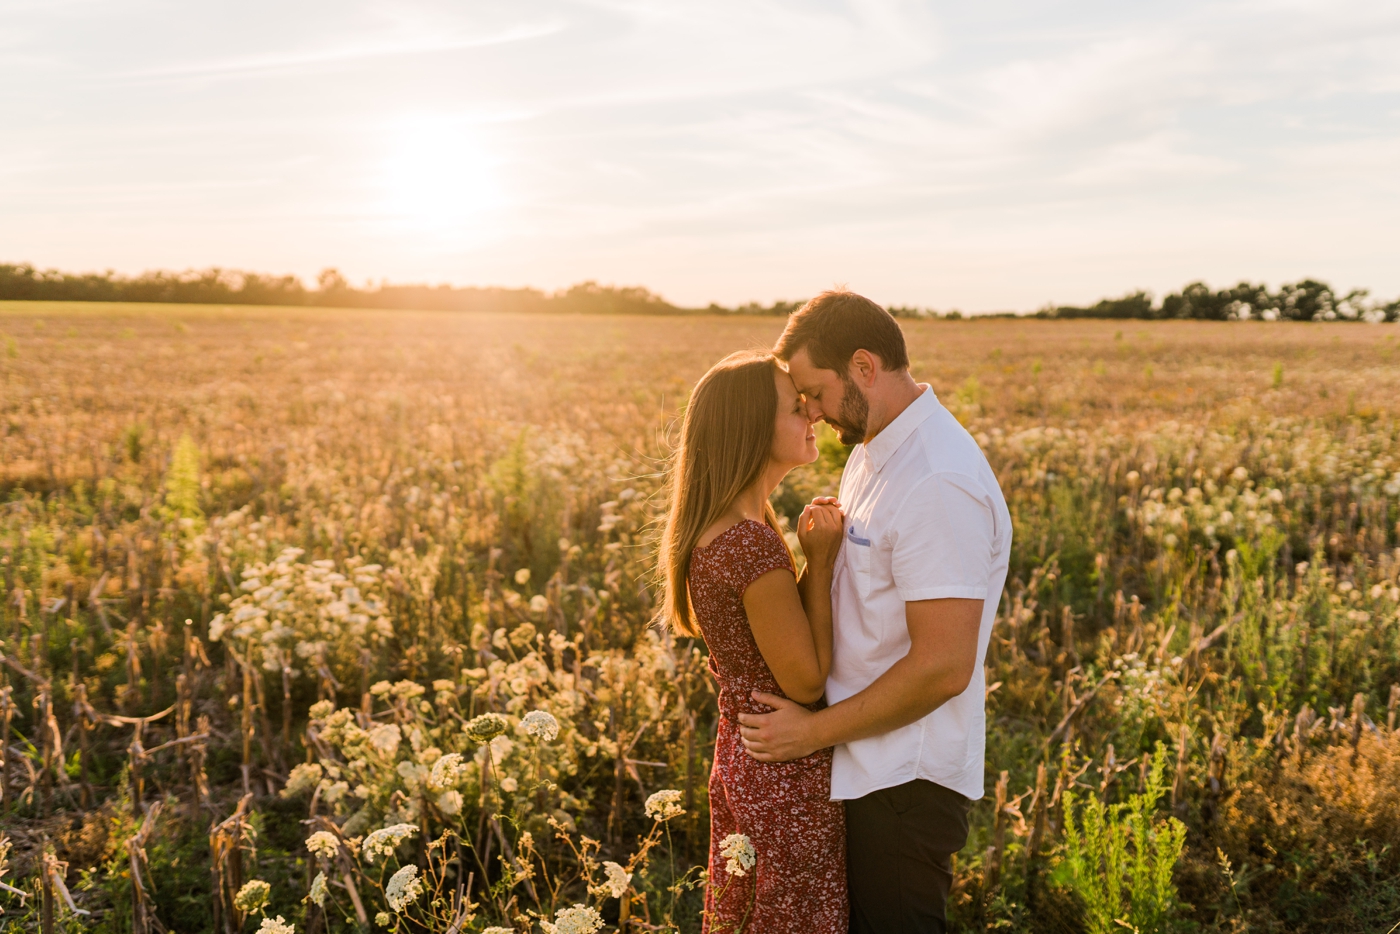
pixel 851 696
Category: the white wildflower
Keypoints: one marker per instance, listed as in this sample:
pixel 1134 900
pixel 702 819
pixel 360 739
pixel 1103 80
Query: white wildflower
pixel 540 724
pixel 384 919
pixel 386 738
pixel 738 850
pixel 447 771
pixel 509 784
pixel 323 843
pixel 522 576
pixel 618 879
pixel 580 919
pixel 384 841
pixel 412 772
pixel 450 802
pixel 497 929
pixel 276 925
pixel 665 804
pixel 486 727
pixel 304 778
pixel 539 603
pixel 252 897
pixel 404 887
pixel 318 891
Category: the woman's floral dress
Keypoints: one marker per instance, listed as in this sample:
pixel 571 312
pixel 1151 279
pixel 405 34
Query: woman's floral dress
pixel 799 834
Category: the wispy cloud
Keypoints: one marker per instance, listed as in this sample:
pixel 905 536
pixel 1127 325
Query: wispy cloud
pixel 355 52
pixel 985 155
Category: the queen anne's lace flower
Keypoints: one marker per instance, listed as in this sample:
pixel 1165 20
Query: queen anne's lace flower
pixel 540 724
pixel 384 919
pixel 386 738
pixel 738 850
pixel 618 879
pixel 318 891
pixel 665 804
pixel 323 843
pixel 275 926
pixel 580 919
pixel 252 897
pixel 447 771
pixel 304 778
pixel 483 729
pixel 404 886
pixel 384 841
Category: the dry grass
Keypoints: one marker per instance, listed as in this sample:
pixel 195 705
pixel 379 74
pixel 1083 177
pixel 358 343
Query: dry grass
pixel 1166 480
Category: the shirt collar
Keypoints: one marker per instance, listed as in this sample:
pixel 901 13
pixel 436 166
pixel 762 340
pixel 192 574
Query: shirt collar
pixel 883 446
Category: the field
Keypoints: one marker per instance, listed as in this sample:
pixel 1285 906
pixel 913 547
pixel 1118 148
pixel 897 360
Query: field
pixel 278 579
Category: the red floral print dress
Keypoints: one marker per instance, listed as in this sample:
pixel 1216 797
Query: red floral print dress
pixel 798 885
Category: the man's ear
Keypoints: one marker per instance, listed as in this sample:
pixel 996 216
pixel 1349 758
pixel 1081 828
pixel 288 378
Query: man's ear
pixel 864 367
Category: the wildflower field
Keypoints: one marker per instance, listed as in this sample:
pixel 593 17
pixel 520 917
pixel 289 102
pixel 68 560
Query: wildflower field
pixel 338 620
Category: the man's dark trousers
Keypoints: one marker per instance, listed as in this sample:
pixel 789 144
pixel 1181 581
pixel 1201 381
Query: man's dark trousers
pixel 900 843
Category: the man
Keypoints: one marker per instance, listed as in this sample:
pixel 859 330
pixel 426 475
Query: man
pixel 914 595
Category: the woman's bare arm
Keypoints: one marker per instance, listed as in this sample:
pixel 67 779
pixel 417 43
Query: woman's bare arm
pixel 814 586
pixel 784 635
pixel 791 619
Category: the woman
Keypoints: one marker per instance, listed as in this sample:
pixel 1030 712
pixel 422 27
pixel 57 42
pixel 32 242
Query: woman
pixel 729 577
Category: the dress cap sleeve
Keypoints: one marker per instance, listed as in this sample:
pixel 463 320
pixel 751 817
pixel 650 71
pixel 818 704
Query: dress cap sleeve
pixel 755 552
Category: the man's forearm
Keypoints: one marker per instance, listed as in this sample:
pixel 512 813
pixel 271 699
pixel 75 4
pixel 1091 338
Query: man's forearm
pixel 942 657
pixel 910 690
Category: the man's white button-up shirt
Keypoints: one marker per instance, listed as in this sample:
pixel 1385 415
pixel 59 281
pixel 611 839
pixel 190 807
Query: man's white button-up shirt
pixel 925 520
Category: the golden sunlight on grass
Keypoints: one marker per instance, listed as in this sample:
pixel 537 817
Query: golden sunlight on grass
pixel 372 590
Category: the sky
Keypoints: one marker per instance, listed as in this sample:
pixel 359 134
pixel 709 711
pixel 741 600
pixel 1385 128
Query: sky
pixel 982 156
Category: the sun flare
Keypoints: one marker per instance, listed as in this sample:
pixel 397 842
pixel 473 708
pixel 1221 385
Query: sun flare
pixel 440 177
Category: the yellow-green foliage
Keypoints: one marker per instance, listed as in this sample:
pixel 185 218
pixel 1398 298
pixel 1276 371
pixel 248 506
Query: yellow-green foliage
pixel 1119 858
pixel 182 481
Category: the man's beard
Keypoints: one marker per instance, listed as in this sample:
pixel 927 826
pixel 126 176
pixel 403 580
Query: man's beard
pixel 851 421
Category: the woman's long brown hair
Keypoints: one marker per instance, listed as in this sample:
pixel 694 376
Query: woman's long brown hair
pixel 726 440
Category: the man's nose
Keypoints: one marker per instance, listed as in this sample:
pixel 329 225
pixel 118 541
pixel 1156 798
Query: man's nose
pixel 814 412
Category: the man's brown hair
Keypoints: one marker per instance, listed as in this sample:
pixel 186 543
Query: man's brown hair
pixel 835 324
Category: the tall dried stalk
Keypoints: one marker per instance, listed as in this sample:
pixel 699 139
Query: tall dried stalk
pixel 226 839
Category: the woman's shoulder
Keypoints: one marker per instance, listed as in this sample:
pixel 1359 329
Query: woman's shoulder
pixel 742 553
pixel 743 532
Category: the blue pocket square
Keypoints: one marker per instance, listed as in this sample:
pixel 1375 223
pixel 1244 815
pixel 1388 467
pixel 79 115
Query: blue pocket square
pixel 856 539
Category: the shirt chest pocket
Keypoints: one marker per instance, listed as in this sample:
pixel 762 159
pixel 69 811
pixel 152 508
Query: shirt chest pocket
pixel 860 556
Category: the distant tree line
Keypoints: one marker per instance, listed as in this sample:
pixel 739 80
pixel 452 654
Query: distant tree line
pixel 1307 300
pixel 234 287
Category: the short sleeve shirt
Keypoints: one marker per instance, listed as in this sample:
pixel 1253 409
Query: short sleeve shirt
pixel 925 520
